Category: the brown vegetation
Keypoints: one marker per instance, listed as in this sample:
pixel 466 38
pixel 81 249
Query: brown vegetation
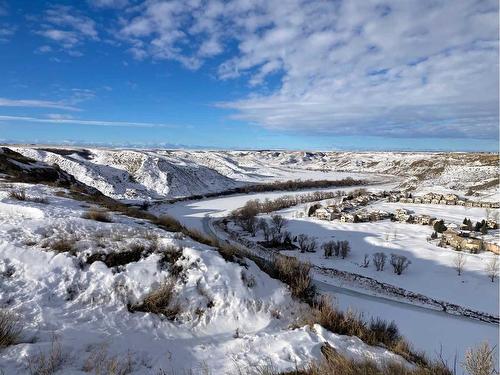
pixel 334 363
pixel 97 215
pixel 10 328
pixel 47 363
pixel 100 362
pixel 160 301
pixel 296 275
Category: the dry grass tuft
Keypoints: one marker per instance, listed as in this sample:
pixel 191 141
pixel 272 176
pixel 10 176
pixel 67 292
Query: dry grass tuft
pixel 334 363
pixel 47 363
pixel 168 223
pixel 97 215
pixel 100 362
pixel 378 332
pixel 10 328
pixel 296 275
pixel 63 245
pixel 161 301
pixel 19 195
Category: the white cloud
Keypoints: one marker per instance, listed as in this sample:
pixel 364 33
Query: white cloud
pixel 29 103
pixel 6 32
pixel 67 27
pixel 62 119
pixel 404 68
pixel 108 3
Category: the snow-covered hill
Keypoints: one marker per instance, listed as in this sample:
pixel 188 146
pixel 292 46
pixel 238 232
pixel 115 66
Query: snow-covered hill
pixel 150 174
pixel 62 275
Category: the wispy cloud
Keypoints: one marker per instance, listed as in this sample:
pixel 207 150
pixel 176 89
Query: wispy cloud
pixel 30 103
pixel 343 67
pixel 67 27
pixel 57 119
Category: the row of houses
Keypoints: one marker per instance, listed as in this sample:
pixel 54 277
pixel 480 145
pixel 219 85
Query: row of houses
pixel 436 198
pixel 463 240
pixel 344 207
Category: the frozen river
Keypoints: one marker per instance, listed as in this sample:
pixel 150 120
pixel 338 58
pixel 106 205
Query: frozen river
pixel 434 332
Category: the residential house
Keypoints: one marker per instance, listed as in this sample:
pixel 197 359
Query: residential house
pixel 491 224
pixel 435 201
pixel 346 217
pixel 417 200
pixel 451 197
pixel 378 215
pixel 461 202
pixel 461 241
pixel 324 214
pixel 424 219
pixel 493 247
pixel 402 214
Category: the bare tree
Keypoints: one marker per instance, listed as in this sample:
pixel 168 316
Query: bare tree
pixel 311 247
pixel 366 261
pixel 399 263
pixel 492 268
pixel 345 249
pixel 278 221
pixel 379 261
pixel 303 240
pixel 264 226
pixel 480 361
pixel 328 248
pixel 459 262
pixel 249 224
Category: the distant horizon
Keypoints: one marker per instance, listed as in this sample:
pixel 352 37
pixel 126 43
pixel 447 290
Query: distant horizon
pixel 206 148
pixel 250 75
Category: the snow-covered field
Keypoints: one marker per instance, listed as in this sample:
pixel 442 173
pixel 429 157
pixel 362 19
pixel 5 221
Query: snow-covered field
pixel 231 316
pixel 225 322
pixel 431 273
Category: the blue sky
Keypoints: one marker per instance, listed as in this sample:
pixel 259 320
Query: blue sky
pixel 405 75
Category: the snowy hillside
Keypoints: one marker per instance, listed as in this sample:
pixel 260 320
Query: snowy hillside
pixel 152 174
pixel 62 273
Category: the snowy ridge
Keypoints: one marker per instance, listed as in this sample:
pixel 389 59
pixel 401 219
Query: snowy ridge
pixel 150 174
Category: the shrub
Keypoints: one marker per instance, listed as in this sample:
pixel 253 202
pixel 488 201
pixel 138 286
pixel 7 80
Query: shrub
pixel 366 261
pixel 170 255
pixel 296 275
pixel 41 200
pixel 328 248
pixel 439 226
pixel 480 361
pixel 10 328
pixel 278 222
pixel 63 245
pixel 168 223
pixel 306 244
pixel 385 333
pixel 160 301
pixel 19 195
pixel 379 261
pixel 399 263
pixel 345 249
pixel 97 215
